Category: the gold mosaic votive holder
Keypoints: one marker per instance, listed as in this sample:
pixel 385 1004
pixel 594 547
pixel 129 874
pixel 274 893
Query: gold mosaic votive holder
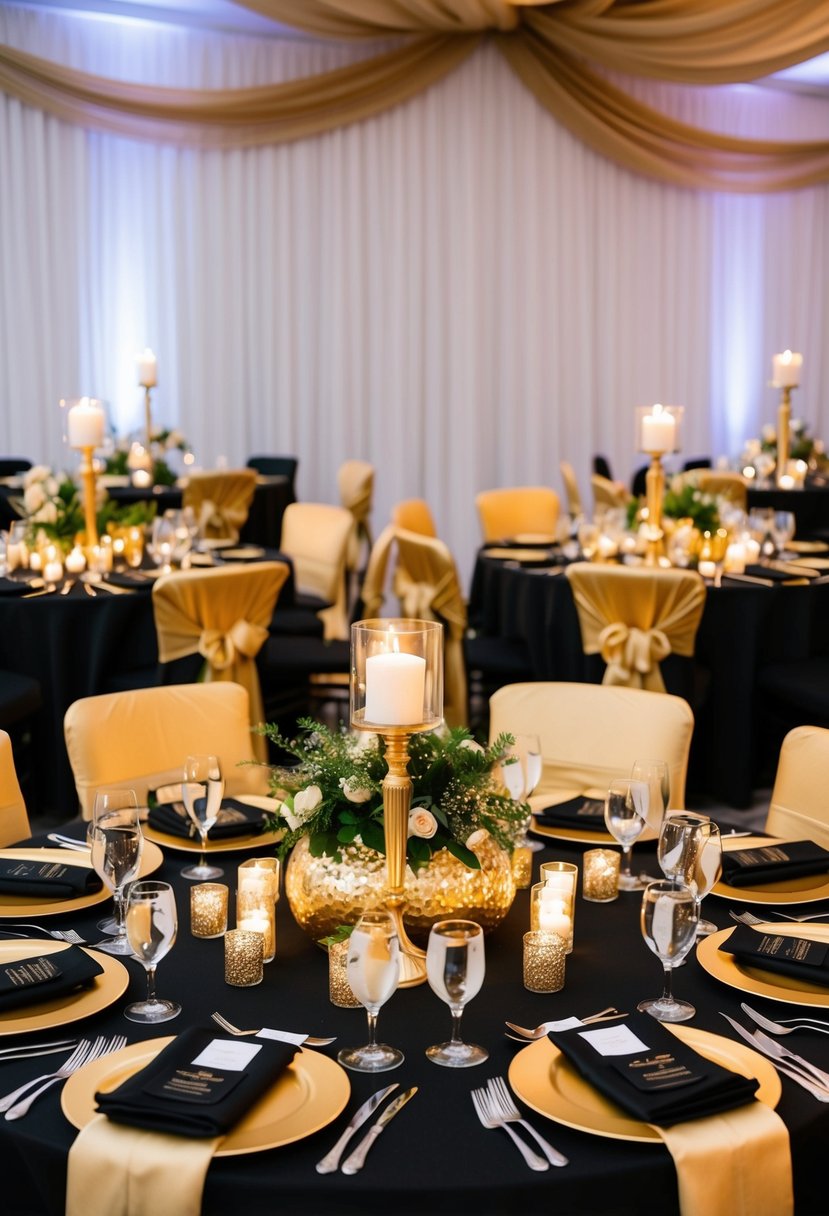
pixel 544 961
pixel 339 990
pixel 553 900
pixel 243 958
pixel 600 881
pixel 208 909
pixel 522 866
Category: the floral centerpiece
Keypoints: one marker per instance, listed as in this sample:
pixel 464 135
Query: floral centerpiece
pixel 461 829
pixel 52 505
pixel 683 499
pixel 161 443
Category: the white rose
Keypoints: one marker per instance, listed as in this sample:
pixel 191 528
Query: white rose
pixel 34 498
pixel 48 514
pixel 353 791
pixel 422 823
pixel 365 741
pixel 471 745
pixel 476 838
pixel 769 433
pixel 39 473
pixel 305 803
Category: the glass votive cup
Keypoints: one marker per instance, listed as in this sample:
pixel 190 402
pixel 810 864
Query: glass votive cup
pixel 258 917
pixel 208 909
pixel 522 866
pixel 340 992
pixel 243 958
pixel 553 900
pixel 259 878
pixel 544 961
pixel 600 882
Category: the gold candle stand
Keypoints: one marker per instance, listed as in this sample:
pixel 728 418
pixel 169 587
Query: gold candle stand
pixel 87 474
pixel 397 800
pixel 784 417
pixel 148 417
pixel 654 493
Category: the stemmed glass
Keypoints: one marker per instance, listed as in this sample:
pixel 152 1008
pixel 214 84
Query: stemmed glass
pixel 162 546
pixel 707 871
pixel 152 924
pixel 455 970
pixel 625 815
pixel 115 842
pixel 373 969
pixel 657 777
pixel 690 851
pixel 669 927
pixel 521 776
pixel 782 530
pixel 202 790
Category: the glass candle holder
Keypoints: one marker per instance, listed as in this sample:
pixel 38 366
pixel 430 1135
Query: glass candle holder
pixel 208 909
pixel 258 918
pixel 553 900
pixel 600 883
pixel 243 958
pixel 259 878
pixel 544 961
pixel 396 673
pixel 522 866
pixel 340 992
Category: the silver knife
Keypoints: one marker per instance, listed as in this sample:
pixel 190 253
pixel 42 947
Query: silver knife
pixel 817 1091
pixel 357 1159
pixel 331 1160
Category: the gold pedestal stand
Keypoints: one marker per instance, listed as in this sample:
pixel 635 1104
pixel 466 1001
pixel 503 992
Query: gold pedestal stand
pixel 148 417
pixel 87 474
pixel 784 417
pixel 397 800
pixel 654 492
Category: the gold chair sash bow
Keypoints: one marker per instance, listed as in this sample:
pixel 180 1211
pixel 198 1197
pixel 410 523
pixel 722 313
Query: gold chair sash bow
pixel 221 501
pixel 222 649
pixel 631 653
pixel 222 522
pixel 356 484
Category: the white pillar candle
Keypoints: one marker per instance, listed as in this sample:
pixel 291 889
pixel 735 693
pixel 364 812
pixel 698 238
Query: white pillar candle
pixel 53 571
pixel 658 431
pixel 142 479
pixel 147 369
pixel 75 560
pixel 395 686
pixel 552 917
pixel 35 561
pixel 707 569
pixel 735 558
pixel 786 482
pixel 85 425
pixel 786 369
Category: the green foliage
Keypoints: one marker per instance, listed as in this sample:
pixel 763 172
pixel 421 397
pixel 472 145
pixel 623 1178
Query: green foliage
pixel 686 501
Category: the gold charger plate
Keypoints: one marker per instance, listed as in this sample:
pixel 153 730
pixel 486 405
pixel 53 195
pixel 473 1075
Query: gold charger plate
pixel 13 907
pixel 246 553
pixel 786 988
pixel 543 1079
pixel 805 890
pixel 235 844
pixel 71 1007
pixel 807 546
pixel 308 1096
pixel 599 838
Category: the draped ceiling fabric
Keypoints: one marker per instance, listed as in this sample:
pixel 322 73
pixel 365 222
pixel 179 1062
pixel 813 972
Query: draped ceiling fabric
pixel 551 47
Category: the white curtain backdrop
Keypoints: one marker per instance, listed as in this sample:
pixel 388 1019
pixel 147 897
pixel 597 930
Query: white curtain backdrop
pixel 456 290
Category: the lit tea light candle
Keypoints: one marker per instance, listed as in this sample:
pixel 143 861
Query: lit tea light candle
pixel 142 479
pixel 35 561
pixel 786 481
pixel 658 433
pixel 243 958
pixel 208 909
pixel 259 921
pixel 544 961
pixel 707 569
pixel 395 686
pixel 735 558
pixel 786 369
pixel 601 875
pixel 75 560
pixel 52 565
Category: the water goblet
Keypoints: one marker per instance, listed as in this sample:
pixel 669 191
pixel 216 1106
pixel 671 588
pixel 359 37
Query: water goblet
pixel 706 872
pixel 152 924
pixel 625 815
pixel 669 926
pixel 162 546
pixel 373 969
pixel 657 777
pixel 202 790
pixel 520 777
pixel 455 970
pixel 782 530
pixel 115 843
pixel 675 850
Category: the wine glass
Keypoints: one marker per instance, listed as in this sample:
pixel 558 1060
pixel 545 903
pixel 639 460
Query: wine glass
pixel 202 790
pixel 706 872
pixel 373 969
pixel 625 815
pixel 782 530
pixel 455 970
pixel 115 842
pixel 690 851
pixel 669 927
pixel 657 777
pixel 152 924
pixel 162 544
pixel 520 777
pixel 675 850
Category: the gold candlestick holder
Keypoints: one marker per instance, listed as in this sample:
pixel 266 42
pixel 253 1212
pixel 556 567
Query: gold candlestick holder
pixel 658 435
pixel 414 695
pixel 654 493
pixel 87 475
pixel 784 418
pixel 148 416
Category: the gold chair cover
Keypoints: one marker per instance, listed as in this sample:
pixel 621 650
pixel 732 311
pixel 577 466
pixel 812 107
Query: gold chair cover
pixel 799 809
pixel 724 484
pixel 220 501
pixel 591 733
pixel 414 515
pixel 373 591
pixel 517 510
pixel 223 615
pixel 426 583
pixel 315 535
pixel 139 739
pixel 571 487
pixel 635 617
pixel 355 479
pixel 608 494
pixel 14 821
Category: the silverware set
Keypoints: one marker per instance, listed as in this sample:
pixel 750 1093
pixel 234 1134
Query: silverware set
pixel 356 1159
pixel 811 1078
pixel 60 935
pixel 526 1033
pixel 750 918
pixel 787 1025
pixel 490 1109
pixel 32 1050
pixel 19 1101
pixel 307 1040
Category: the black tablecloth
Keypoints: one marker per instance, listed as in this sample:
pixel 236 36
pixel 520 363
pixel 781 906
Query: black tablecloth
pixel 435 1157
pixel 810 507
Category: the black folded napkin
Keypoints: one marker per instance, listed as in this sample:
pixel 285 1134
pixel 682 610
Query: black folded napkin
pixel 49 879
pixel 667 1082
pixel 773 575
pixel 795 956
pixel 235 819
pixel 130 582
pixel 10 586
pixel 177 1094
pixel 44 977
pixel 774 862
pixel 581 812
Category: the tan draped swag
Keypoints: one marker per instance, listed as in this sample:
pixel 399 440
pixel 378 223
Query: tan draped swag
pixel 222 615
pixel 426 583
pixel 634 618
pixel 560 51
pixel 355 480
pixel 220 501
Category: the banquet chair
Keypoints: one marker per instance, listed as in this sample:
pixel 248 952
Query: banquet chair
pixel 276 466
pixel 414 515
pixel 219 618
pixel 722 483
pixel 21 698
pixel 590 733
pixel 571 488
pixel 635 617
pixel 139 739
pixel 316 535
pixel 220 501
pixel 515 510
pixel 601 466
pixel 11 465
pixel 355 481
pixel 798 809
pixel 14 821
pixel 607 495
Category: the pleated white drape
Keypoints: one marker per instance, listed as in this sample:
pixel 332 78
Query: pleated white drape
pixel 456 290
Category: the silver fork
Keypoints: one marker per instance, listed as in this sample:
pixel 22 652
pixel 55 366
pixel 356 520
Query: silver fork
pixel 787 1025
pixel 504 1105
pixel 101 1047
pixel 78 1057
pixel 483 1109
pixel 538 1032
pixel 61 935
pixel 749 918
pixel 231 1029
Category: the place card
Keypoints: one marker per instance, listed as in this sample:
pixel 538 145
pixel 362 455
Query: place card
pixel 613 1041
